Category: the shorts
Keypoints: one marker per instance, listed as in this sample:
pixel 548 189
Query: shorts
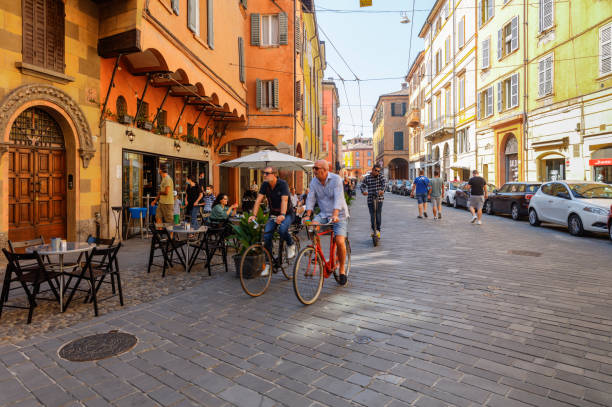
pixel 421 198
pixel 340 228
pixel 165 213
pixel 436 201
pixel 476 202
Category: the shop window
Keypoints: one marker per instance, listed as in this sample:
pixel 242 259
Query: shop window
pixel 43 36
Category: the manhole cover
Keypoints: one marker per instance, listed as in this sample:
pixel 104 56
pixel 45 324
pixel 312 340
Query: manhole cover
pixel 525 253
pixel 363 339
pixel 99 346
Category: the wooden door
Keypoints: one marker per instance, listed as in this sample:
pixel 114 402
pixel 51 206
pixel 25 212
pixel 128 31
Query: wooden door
pixel 37 178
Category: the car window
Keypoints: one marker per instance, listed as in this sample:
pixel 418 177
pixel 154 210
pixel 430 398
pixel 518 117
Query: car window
pixel 532 188
pixel 547 189
pixel 558 188
pixel 514 188
pixel 592 190
pixel 520 188
pixel 504 188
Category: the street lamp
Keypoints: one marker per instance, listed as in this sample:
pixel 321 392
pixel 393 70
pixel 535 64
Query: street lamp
pixel 177 146
pixel 130 135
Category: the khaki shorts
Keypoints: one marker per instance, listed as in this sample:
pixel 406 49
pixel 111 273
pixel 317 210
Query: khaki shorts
pixel 436 201
pixel 164 214
pixel 476 202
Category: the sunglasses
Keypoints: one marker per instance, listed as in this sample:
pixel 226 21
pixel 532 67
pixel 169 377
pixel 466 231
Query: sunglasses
pixel 267 173
pixel 317 168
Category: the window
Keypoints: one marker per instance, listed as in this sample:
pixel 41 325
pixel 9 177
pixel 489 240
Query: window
pixel 162 119
pixel 398 140
pixel 546 14
pixel 298 95
pixel 447 101
pixel 398 109
pixel 193 16
pixel 545 76
pixel 241 71
pixel 269 30
pixel 486 10
pixel 462 141
pixel 508 93
pixel 201 135
pixel 121 106
pixel 357 163
pixel 267 94
pixel 461 92
pixel 486 53
pixel 507 38
pixel 190 130
pixel 210 33
pixel 485 103
pixel 438 61
pixel 369 154
pixel 43 34
pixel 143 112
pixel 175 6
pixel 461 33
pixel 369 163
pixel 438 106
pixel 438 25
pixel 605 50
pixel 357 154
pixel 447 50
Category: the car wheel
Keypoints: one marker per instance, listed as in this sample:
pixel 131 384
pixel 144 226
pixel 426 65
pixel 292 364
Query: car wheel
pixel 489 207
pixel 610 232
pixel 533 218
pixel 574 224
pixel 448 201
pixel 515 212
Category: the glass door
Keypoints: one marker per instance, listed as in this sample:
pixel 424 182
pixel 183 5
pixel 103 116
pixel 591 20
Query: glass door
pixel 132 179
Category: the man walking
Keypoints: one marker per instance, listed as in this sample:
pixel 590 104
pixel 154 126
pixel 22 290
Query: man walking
pixel 478 194
pixel 193 196
pixel 420 189
pixel 373 186
pixel 436 193
pixel 165 196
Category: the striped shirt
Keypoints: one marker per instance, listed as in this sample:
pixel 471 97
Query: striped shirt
pixel 373 185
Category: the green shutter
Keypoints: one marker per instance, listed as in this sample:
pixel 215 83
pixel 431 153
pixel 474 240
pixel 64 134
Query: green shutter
pixel 392 109
pixel 258 93
pixel 241 59
pixel 255 29
pixel 275 102
pixel 210 30
pixel 283 28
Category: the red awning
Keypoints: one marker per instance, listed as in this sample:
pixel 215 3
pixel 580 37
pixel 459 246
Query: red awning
pixel 600 161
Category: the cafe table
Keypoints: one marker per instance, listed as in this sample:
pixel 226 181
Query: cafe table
pixel 181 230
pixel 71 248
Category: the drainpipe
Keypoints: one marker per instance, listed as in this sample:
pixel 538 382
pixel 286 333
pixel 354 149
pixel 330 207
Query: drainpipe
pixel 525 95
pixel 294 95
pixel 454 93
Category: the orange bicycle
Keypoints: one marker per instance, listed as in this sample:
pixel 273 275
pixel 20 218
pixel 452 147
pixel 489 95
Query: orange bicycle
pixel 311 267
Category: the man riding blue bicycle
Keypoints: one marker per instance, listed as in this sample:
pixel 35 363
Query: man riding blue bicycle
pixel 373 186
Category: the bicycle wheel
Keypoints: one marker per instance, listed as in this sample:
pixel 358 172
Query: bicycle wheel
pixel 308 276
pixel 255 270
pixel 347 262
pixel 286 263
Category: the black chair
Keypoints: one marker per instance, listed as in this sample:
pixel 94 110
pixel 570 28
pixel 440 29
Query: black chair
pixel 215 242
pixel 28 269
pixel 167 247
pixel 95 273
pixel 101 259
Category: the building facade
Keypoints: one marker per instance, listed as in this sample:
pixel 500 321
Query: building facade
pixel 390 135
pixel 358 155
pixel 331 120
pixel 416 84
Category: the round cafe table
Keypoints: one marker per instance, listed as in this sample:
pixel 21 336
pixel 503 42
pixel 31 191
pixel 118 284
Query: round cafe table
pixel 71 248
pixel 182 231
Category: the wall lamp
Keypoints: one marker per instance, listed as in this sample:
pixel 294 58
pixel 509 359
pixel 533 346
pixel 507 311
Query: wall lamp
pixel 177 146
pixel 130 135
pixel 206 154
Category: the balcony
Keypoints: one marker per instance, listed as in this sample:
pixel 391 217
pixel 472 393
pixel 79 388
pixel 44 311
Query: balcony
pixel 414 118
pixel 442 126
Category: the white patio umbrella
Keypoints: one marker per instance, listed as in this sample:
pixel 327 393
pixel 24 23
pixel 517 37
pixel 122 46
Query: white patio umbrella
pixel 269 158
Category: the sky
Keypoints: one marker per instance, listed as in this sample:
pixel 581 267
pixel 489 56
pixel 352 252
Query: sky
pixel 374 45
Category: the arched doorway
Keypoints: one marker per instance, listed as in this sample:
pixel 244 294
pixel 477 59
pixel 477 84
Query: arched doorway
pixel 446 163
pixel 398 169
pixel 37 177
pixel 436 161
pixel 510 159
pixel 550 167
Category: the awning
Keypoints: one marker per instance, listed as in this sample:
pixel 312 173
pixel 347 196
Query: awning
pixel 550 143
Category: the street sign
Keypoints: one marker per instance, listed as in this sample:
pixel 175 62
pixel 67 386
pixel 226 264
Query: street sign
pixel 600 161
pixel 365 3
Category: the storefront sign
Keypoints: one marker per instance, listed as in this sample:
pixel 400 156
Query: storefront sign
pixel 365 3
pixel 600 161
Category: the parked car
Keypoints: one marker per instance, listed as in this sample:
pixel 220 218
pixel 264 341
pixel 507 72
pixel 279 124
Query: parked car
pixel 512 198
pixel 610 223
pixel 450 187
pixel 389 185
pixel 405 188
pixel 462 195
pixel 579 205
pixel 396 186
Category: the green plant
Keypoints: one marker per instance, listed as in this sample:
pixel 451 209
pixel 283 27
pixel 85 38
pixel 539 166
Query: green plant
pixel 249 233
pixel 349 199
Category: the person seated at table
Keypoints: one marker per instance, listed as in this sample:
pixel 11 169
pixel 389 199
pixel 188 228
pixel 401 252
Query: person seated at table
pixel 249 197
pixel 220 209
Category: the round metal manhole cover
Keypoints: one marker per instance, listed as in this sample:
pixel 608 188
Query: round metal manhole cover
pixel 99 346
pixel 363 339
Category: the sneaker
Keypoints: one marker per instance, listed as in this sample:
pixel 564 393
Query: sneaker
pixel 265 271
pixel 425 214
pixel 474 219
pixel 479 223
pixel 342 279
pixel 378 234
pixel 291 251
pixel 439 216
pixel 435 218
pixel 419 217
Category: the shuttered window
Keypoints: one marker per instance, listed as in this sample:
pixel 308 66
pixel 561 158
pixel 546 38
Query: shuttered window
pixel 545 76
pixel 175 6
pixel 398 140
pixel 241 72
pixel 605 50
pixel 507 38
pixel 298 35
pixel 255 29
pixel 298 95
pixel 485 103
pixel 486 11
pixel 267 94
pixel 508 93
pixel 210 31
pixel 43 33
pixel 283 28
pixel 461 33
pixel 269 30
pixel 486 53
pixel 546 14
pixel 193 16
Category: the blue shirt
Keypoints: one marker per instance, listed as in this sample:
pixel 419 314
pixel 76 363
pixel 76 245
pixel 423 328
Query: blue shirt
pixel 329 196
pixel 422 185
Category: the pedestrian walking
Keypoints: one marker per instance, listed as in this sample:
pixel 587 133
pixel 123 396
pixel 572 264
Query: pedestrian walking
pixel 436 193
pixel 373 186
pixel 477 186
pixel 193 196
pixel 165 197
pixel 208 198
pixel 420 189
pixel 202 182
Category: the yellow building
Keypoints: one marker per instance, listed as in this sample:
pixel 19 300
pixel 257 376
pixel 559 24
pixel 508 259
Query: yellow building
pixel 570 91
pixel 49 115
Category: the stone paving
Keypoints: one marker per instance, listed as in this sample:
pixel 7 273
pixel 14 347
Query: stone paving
pixel 454 319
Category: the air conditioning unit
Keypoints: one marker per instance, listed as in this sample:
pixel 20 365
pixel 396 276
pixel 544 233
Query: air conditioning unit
pixel 226 149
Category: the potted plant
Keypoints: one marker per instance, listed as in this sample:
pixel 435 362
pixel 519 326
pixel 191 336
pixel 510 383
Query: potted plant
pixel 247 234
pixel 125 119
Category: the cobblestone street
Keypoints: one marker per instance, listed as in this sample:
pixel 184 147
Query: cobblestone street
pixel 502 314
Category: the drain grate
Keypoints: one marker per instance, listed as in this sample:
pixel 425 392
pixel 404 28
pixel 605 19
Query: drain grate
pixel 524 253
pixel 362 339
pixel 99 346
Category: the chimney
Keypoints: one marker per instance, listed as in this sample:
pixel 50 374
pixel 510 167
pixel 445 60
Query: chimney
pixel 404 85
